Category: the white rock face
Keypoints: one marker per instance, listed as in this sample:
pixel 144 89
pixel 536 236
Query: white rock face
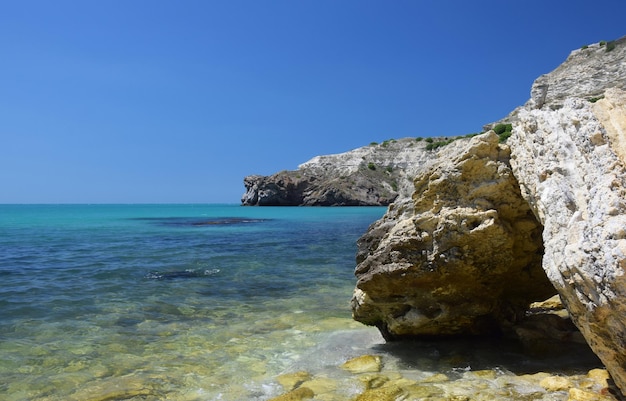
pixel 407 155
pixel 570 165
pixel 586 73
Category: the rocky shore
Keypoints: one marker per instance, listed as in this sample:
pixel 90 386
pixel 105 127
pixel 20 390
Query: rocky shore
pixel 481 228
pixel 459 370
pixel 491 227
pixel 468 385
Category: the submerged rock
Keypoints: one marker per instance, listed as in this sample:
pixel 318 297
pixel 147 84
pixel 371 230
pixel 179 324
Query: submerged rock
pixel 363 364
pixel 290 381
pixel 390 393
pixel 301 393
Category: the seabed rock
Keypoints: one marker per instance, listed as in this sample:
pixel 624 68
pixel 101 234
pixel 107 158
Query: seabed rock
pixel 363 364
pixel 298 394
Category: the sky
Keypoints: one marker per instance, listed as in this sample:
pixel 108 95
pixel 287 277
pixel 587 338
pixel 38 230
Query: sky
pixel 152 101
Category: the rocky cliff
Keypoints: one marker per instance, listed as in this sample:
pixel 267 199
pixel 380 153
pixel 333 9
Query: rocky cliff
pixel 488 227
pixel 586 73
pixel 375 175
pixel 571 167
pixel 372 175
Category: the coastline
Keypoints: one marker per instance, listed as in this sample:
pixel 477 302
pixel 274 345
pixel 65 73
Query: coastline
pixel 447 370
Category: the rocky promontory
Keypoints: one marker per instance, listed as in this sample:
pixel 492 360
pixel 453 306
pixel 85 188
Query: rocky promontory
pixel 373 175
pixel 490 227
pixel 480 228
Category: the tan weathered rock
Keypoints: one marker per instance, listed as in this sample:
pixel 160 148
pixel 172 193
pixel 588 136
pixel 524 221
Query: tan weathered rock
pixel 373 381
pixel 321 385
pixel 555 383
pixel 576 394
pixel 551 304
pixel 363 364
pixel 423 392
pixel 462 254
pixel 289 381
pixel 570 172
pixel 390 393
pixel 462 257
pixel 599 376
pixel 611 111
pixel 301 393
pixel 546 327
pixel 535 378
pixel 436 378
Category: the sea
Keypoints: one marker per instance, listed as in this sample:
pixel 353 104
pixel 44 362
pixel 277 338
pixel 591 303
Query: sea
pixel 194 302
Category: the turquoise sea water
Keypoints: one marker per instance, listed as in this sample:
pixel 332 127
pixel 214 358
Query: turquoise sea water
pixel 187 302
pixel 209 302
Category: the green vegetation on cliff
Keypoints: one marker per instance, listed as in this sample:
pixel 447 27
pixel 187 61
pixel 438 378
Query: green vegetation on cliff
pixel 503 131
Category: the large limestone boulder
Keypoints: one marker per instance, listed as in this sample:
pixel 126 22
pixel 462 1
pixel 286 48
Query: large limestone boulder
pixel 462 256
pixel 570 163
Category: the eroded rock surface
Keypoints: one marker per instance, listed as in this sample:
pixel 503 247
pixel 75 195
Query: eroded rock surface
pixel 461 256
pixel 570 165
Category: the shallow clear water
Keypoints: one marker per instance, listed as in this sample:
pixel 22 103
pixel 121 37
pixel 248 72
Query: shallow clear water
pixel 195 302
pixel 187 301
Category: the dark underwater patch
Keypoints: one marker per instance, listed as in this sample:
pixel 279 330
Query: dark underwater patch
pixel 181 274
pixel 198 221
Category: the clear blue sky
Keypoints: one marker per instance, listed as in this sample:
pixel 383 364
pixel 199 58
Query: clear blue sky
pixel 139 101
